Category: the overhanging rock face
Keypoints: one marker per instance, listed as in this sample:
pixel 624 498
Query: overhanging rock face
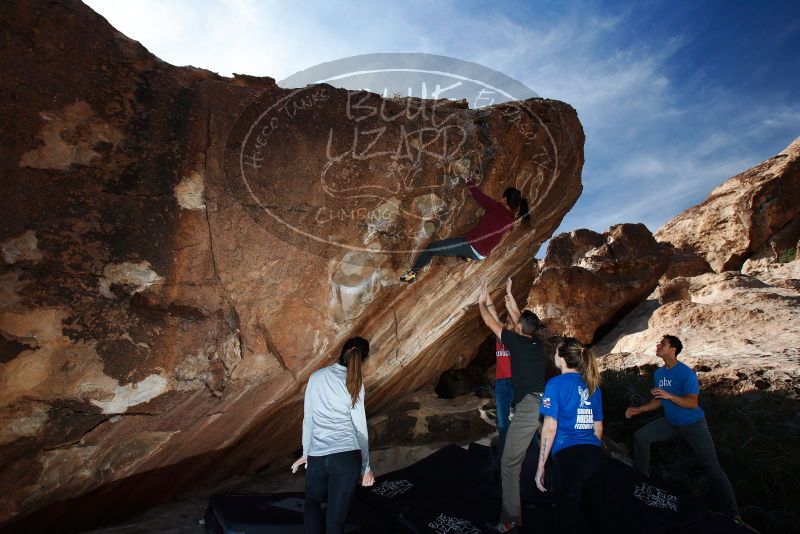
pixel 181 250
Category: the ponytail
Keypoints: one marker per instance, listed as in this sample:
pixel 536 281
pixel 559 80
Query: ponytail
pixel 354 375
pixel 588 370
pixel 517 203
pixel 577 356
pixel 354 352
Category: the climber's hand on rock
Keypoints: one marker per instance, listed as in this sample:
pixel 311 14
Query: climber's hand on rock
pixel 484 294
pixel 303 460
pixel 485 284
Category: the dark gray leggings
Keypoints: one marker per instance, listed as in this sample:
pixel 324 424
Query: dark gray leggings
pixel 453 246
pixel 702 444
pixel 335 476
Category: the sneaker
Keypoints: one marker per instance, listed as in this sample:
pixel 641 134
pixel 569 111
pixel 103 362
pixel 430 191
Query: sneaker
pixel 409 277
pixel 501 526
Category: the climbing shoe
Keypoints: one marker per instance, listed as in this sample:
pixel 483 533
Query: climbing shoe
pixel 409 277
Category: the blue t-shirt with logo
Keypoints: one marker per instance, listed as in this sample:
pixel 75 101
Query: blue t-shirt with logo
pixel 680 381
pixel 566 399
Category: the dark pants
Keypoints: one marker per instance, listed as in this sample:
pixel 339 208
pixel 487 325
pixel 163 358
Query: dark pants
pixel 454 246
pixel 503 396
pixel 699 438
pixel 336 476
pixel 571 468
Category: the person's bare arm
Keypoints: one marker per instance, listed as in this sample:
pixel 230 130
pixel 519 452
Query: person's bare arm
pixel 598 429
pixel 689 401
pixel 511 303
pixel 548 434
pixel 654 404
pixel 484 302
pixel 489 304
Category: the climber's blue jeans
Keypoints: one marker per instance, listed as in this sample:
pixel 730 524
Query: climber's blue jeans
pixel 503 395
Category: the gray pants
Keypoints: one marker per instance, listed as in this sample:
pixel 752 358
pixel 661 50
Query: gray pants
pixel 520 433
pixel 699 438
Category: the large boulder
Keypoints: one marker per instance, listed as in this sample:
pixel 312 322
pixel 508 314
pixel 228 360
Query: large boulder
pixel 757 208
pixel 733 327
pixel 587 281
pixel 181 250
pixel 733 324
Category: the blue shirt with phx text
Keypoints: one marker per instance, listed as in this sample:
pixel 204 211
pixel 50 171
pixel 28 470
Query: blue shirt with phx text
pixel 680 381
pixel 566 399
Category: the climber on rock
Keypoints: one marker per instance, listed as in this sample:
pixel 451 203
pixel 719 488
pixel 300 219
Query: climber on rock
pixel 527 355
pixel 677 391
pixel 497 219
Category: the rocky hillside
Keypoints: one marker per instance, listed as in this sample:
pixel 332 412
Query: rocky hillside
pixel 739 320
pixel 723 275
pixel 754 215
pixel 181 250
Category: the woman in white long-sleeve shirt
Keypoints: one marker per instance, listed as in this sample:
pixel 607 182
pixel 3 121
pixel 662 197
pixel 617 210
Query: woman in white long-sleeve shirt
pixel 335 439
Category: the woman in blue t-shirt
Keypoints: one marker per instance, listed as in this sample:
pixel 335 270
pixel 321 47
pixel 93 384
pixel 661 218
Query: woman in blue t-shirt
pixel 573 425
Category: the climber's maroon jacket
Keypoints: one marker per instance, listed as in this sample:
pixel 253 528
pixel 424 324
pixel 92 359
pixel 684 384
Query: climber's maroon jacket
pixel 494 223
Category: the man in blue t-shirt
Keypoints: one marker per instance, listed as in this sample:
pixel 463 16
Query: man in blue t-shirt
pixel 677 391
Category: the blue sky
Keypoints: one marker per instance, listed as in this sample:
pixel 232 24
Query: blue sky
pixel 674 96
